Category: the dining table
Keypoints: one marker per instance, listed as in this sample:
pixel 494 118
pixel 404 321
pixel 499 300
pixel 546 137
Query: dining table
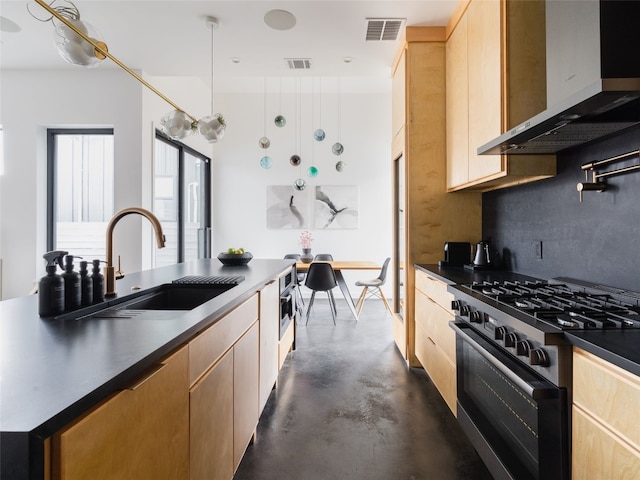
pixel 338 266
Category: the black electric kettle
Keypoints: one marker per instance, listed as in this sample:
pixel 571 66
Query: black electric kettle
pixel 483 255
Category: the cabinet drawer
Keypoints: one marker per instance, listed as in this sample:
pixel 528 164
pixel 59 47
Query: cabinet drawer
pixel 210 345
pixel 434 288
pixel 608 393
pixel 439 368
pixel 285 345
pixel 597 454
pixel 435 321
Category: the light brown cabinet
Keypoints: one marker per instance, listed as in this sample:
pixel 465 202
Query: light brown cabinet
pixel 425 215
pixel 435 340
pixel 224 393
pixel 496 79
pixel 269 337
pixel 606 439
pixel 122 437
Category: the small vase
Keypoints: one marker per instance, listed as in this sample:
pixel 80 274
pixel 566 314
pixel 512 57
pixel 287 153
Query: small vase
pixel 306 256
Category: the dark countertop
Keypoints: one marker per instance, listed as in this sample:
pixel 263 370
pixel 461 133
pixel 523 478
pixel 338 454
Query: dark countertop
pixel 52 370
pixel 619 347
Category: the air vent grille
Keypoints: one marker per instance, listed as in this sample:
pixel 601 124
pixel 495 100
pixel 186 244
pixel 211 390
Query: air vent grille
pixel 298 63
pixel 381 29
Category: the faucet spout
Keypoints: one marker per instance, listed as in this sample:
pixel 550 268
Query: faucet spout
pixel 109 270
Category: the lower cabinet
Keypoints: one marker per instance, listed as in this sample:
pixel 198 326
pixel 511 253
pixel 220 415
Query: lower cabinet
pixel 191 416
pixel 211 423
pixel 269 337
pixel 141 432
pixel 605 435
pixel 435 341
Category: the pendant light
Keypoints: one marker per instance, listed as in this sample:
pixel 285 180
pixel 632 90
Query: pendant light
pixel 264 142
pixel 337 147
pixel 280 121
pixel 319 134
pixel 212 127
pixel 295 160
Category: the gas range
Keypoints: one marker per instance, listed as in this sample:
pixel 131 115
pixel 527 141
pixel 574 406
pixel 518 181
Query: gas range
pixel 527 318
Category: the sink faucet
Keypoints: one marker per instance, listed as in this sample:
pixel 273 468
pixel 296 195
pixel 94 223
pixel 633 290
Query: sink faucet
pixel 109 270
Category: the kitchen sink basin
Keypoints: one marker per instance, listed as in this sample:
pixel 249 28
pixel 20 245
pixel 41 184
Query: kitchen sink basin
pixel 176 297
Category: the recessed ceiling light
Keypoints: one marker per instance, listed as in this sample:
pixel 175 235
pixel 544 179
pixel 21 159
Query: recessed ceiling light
pixel 280 19
pixel 347 59
pixel 235 59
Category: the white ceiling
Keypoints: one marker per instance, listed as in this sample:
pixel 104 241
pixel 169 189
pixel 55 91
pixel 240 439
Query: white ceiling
pixel 171 38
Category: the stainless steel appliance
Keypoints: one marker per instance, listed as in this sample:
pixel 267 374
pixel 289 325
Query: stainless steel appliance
pixel 288 304
pixel 514 366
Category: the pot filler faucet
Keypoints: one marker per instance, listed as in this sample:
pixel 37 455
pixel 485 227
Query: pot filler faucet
pixel 109 270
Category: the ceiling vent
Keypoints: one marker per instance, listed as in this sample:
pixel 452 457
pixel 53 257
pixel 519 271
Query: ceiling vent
pixel 298 63
pixel 379 29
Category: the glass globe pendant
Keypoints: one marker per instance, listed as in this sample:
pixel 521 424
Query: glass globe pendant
pixel 176 124
pixel 266 162
pixel 299 184
pixel 212 127
pixel 75 49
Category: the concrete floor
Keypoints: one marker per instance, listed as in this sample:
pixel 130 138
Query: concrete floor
pixel 347 407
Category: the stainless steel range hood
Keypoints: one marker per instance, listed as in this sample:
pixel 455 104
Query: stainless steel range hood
pixel 593 78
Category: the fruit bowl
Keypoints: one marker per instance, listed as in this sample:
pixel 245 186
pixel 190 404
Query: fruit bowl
pixel 235 259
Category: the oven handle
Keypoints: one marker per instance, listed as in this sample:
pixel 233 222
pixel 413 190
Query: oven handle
pixel 533 391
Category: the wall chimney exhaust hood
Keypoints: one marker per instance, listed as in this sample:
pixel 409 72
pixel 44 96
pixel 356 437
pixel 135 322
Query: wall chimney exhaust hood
pixel 593 78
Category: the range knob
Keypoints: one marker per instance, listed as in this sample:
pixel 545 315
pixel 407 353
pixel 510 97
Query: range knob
pixel 455 305
pixel 539 357
pixel 499 333
pixel 476 316
pixel 510 340
pixel 464 310
pixel 523 348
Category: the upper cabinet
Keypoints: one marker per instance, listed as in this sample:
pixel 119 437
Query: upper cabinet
pixel 495 59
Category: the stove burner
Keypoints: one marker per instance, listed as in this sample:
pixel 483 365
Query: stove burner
pixel 562 305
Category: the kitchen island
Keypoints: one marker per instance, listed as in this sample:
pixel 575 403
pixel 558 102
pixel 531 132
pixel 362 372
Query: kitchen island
pixel 52 371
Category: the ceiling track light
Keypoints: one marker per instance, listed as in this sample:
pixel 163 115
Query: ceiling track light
pixel 70 35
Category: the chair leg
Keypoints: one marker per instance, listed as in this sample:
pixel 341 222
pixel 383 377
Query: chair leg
pixel 313 295
pixel 386 304
pixel 361 299
pixel 332 305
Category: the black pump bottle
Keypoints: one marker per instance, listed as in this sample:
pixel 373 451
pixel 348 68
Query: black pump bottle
pixel 72 290
pixel 51 287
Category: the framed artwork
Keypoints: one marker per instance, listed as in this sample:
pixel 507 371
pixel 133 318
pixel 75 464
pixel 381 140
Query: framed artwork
pixel 287 207
pixel 335 207
pixel 326 207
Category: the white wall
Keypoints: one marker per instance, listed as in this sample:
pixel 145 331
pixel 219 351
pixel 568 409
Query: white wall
pixel 240 183
pixel 33 101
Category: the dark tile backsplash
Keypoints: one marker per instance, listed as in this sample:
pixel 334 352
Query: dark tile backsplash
pixel 597 240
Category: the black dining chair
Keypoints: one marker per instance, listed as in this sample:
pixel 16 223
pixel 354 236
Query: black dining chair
pixel 299 276
pixel 321 278
pixel 371 288
pixel 323 257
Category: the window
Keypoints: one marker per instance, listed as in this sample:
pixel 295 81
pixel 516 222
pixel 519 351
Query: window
pixel 80 190
pixel 182 198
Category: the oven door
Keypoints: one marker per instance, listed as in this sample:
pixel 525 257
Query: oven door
pixel 515 419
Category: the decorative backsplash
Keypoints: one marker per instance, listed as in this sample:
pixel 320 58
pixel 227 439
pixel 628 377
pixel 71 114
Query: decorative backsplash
pixel 596 240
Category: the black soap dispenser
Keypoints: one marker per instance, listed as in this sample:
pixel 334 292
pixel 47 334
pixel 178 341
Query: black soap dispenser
pixel 98 282
pixel 72 289
pixel 51 287
pixel 86 285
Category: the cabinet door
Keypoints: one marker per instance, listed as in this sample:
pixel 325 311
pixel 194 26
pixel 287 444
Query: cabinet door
pixel 457 98
pixel 269 337
pixel 245 392
pixel 485 87
pixel 211 423
pixel 121 438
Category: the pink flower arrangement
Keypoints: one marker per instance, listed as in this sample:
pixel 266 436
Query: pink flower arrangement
pixel 305 239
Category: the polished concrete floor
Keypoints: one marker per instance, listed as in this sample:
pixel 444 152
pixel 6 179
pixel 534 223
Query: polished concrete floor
pixel 347 407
